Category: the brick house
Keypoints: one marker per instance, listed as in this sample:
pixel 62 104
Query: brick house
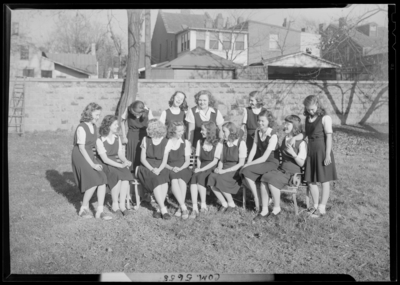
pixel 361 50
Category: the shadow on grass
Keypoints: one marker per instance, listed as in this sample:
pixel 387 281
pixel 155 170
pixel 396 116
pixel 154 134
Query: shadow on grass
pixel 64 184
pixel 364 131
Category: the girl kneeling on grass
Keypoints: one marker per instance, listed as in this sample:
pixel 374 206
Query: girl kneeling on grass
pixel 206 151
pixel 293 159
pixel 87 172
pixel 266 143
pixel 115 165
pixel 178 161
pixel 152 174
pixel 225 180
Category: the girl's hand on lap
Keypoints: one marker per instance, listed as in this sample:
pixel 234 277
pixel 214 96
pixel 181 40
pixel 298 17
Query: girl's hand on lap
pixel 216 170
pixel 197 170
pixel 156 171
pixel 98 167
pixel 176 169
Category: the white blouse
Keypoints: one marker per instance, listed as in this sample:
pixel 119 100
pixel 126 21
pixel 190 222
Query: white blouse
pixel 204 116
pixel 100 144
pixel 272 142
pixel 155 141
pixel 81 134
pixel 242 149
pixel 256 111
pixel 302 149
pixel 208 147
pixel 174 146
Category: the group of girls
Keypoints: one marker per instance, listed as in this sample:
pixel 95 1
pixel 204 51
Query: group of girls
pixel 159 150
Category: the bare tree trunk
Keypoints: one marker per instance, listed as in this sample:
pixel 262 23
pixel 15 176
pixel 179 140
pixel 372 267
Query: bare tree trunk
pixel 374 105
pixel 147 58
pixel 131 83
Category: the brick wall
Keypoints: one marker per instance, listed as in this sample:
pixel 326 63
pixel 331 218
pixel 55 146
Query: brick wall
pixel 52 104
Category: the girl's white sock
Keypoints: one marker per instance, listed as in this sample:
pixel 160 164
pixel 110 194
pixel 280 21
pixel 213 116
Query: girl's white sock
pixel 224 204
pixel 164 210
pixel 232 204
pixel 115 206
pixel 264 211
pixel 195 207
pixel 321 208
pixel 203 206
pixel 276 210
pixel 315 206
pixel 184 208
pixel 100 209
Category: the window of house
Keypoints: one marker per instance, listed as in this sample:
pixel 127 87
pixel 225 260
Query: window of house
pixel 239 42
pixel 170 49
pixel 24 52
pixel 214 37
pixel 201 39
pixel 28 72
pixel 273 41
pixel 226 41
pixel 187 41
pixel 47 73
pixel 15 28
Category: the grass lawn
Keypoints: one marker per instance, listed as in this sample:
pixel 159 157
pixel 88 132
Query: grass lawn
pixel 48 237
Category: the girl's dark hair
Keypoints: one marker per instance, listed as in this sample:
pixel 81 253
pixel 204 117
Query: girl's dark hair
pixel 86 115
pixel 108 120
pixel 211 99
pixel 311 100
pixel 257 94
pixel 183 106
pixel 212 132
pixel 171 129
pixel 296 122
pixel 138 107
pixel 269 116
pixel 234 131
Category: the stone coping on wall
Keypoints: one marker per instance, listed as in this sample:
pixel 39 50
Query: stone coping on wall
pixel 188 80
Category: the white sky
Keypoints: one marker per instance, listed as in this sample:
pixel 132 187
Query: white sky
pixel 39 25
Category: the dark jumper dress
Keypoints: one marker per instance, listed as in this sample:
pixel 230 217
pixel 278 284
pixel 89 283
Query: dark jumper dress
pixel 198 122
pixel 254 172
pixel 251 126
pixel 114 174
pixel 85 176
pixel 136 133
pixel 154 156
pixel 177 158
pixel 206 157
pixel 281 176
pixel 170 117
pixel 228 182
pixel 315 170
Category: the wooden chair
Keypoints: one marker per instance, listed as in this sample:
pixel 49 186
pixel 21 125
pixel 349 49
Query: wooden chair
pixel 294 187
pixel 135 182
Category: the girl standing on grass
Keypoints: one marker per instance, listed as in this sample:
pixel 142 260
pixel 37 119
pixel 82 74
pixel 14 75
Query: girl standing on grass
pixel 178 161
pixel 206 151
pixel 203 112
pixel 176 111
pixel 152 174
pixel 250 118
pixel 320 164
pixel 115 165
pixel 292 160
pixel 266 143
pixel 87 172
pixel 225 180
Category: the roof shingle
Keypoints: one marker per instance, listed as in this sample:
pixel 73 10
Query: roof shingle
pixel 84 62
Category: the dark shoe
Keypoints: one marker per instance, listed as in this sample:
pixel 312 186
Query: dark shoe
pixel 126 212
pixel 103 216
pixel 259 217
pixel 222 209
pixel 157 215
pixel 194 214
pixel 117 212
pixel 166 216
pixel 316 214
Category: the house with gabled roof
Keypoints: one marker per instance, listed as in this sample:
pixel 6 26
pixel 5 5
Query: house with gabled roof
pixel 361 50
pixel 176 33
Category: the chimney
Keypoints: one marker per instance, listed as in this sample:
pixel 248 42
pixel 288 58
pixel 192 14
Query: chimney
pixel 342 22
pixel 185 11
pixel 219 21
pixel 284 23
pixel 93 49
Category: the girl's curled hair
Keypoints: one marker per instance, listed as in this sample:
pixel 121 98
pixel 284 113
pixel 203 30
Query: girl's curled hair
pixel 311 100
pixel 234 131
pixel 183 106
pixel 212 132
pixel 211 99
pixel 138 107
pixel 108 120
pixel 296 122
pixel 270 117
pixel 257 95
pixel 171 130
pixel 86 115
pixel 156 129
